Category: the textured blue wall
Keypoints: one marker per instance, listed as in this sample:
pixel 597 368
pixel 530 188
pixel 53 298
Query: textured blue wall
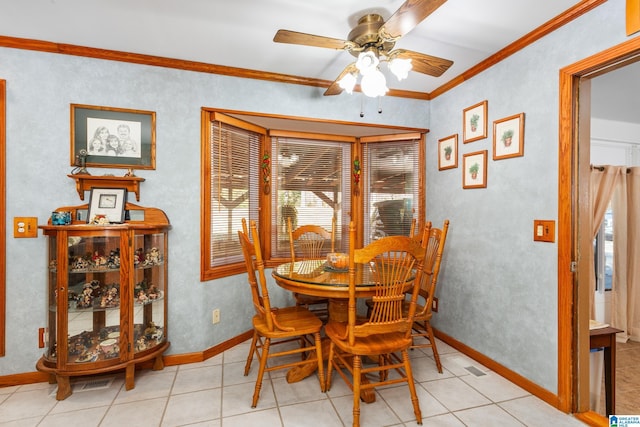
pixel 40 88
pixel 498 289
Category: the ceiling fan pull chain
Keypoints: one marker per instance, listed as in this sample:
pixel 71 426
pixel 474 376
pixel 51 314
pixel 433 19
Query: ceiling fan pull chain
pixel 361 104
pixel 379 105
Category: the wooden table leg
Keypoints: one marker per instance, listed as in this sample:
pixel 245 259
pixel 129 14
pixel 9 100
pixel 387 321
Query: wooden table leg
pixel 300 372
pixel 605 338
pixel 338 310
pixel 610 376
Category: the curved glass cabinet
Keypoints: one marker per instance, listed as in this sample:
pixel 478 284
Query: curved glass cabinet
pixel 107 296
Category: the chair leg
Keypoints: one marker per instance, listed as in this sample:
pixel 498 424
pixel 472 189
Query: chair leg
pixel 432 340
pixel 323 384
pixel 412 386
pixel 263 364
pixel 252 350
pixel 357 365
pixel 329 367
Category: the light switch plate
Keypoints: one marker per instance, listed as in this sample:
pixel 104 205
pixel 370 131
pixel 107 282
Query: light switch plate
pixel 544 230
pixel 25 226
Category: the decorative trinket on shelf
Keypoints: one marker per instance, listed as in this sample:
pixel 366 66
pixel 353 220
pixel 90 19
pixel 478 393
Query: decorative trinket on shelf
pixel 99 219
pixel 81 163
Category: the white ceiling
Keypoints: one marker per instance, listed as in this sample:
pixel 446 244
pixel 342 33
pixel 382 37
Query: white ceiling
pixel 239 33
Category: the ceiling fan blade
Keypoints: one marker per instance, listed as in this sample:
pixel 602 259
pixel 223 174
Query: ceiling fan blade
pixel 405 19
pixel 293 37
pixel 422 63
pixel 335 88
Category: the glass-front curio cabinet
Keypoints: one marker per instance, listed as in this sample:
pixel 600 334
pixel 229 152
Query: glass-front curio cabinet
pixel 107 296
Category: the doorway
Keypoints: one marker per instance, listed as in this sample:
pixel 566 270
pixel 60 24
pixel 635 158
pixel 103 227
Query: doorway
pixel 574 237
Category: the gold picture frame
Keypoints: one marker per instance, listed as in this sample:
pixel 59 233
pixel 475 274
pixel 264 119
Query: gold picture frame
pixel 474 122
pixel 474 169
pixel 448 152
pixel 508 137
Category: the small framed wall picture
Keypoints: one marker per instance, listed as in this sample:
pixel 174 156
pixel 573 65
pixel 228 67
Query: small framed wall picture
pixel 508 137
pixel 474 122
pixel 106 205
pixel 448 152
pixel 474 170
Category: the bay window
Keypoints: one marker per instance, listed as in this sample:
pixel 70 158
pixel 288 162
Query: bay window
pixel 267 169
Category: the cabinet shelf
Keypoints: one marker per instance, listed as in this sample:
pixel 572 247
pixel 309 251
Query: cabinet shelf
pixel 86 182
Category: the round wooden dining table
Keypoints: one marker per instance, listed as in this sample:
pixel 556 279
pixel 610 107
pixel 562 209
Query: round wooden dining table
pixel 314 277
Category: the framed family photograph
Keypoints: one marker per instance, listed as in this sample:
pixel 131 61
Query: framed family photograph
pixel 474 169
pixel 113 137
pixel 107 202
pixel 448 152
pixel 474 122
pixel 508 137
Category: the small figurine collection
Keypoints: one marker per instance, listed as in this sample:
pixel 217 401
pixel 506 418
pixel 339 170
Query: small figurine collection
pixel 152 257
pixel 89 347
pixel 95 295
pixel 96 260
pixel 146 292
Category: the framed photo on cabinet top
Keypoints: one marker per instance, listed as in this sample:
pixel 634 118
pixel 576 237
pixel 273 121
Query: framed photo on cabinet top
pixel 107 202
pixel 474 122
pixel 474 169
pixel 113 137
pixel 448 152
pixel 508 137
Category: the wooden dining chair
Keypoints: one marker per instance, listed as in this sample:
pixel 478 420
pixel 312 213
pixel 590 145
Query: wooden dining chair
pixel 422 331
pixel 395 261
pixel 414 232
pixel 274 326
pixel 308 242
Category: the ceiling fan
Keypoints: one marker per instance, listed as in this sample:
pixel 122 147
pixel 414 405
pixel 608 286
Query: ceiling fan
pixel 372 40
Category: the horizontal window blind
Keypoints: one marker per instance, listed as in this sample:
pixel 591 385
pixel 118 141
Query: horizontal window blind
pixel 312 185
pixel 235 188
pixel 391 171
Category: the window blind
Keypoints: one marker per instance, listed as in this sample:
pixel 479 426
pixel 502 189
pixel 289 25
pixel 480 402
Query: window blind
pixel 391 171
pixel 312 185
pixel 235 187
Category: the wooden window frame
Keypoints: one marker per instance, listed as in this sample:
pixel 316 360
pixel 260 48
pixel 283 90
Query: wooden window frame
pixel 207 271
pixel 274 125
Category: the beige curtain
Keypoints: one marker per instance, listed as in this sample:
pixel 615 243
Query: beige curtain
pixel 603 181
pixel 625 309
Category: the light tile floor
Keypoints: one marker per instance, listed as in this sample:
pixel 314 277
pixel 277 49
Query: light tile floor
pixel 215 393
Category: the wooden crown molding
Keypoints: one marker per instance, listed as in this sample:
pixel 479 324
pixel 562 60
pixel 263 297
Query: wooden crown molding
pixel 112 55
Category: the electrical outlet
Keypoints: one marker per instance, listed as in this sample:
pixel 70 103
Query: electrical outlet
pixel 216 316
pixel 434 305
pixel 25 226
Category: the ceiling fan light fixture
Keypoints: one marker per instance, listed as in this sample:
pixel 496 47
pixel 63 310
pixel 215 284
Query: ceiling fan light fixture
pixel 367 62
pixel 400 67
pixel 374 84
pixel 348 82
